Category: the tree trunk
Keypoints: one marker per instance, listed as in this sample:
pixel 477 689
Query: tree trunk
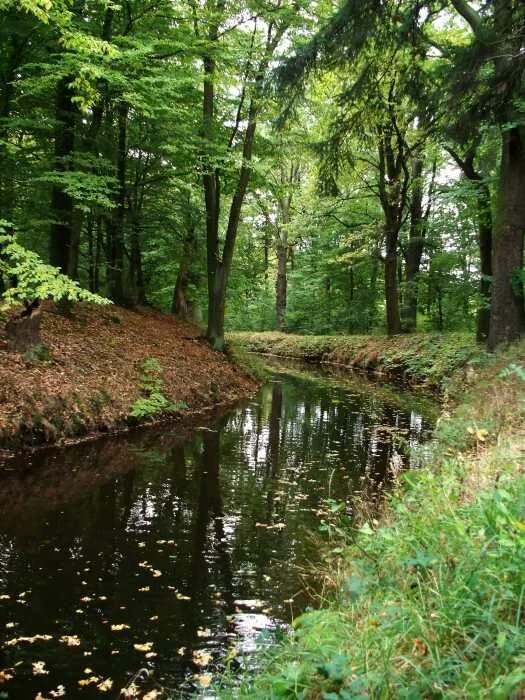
pixel 414 251
pixel 393 319
pixel 281 286
pixel 117 220
pixel 507 288
pixel 485 254
pixel 62 249
pixel 135 264
pixel 23 331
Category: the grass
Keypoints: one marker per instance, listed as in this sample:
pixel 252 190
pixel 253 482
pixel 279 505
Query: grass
pixel 430 602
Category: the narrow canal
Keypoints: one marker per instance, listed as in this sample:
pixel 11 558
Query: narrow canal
pixel 152 557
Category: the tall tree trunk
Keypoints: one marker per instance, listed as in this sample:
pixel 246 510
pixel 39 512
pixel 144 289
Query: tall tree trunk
pixel 507 289
pixel 281 286
pixel 62 248
pixel 393 318
pixel 136 268
pixel 414 251
pixel 485 254
pixel 182 306
pixel 117 220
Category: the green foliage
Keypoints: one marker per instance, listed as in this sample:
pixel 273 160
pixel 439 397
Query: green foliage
pixel 431 359
pixel 38 353
pixel 152 402
pixel 35 279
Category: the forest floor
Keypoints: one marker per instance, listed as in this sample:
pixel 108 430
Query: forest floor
pixel 428 598
pixel 89 375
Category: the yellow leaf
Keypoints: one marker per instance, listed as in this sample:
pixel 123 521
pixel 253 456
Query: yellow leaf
pixel 201 658
pixel 146 647
pixel 105 686
pixel 204 679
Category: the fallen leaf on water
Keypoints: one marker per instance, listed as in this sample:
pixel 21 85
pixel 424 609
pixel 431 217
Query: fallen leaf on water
pixel 152 695
pixel 87 671
pixel 71 640
pixel 28 640
pixel 10 625
pixel 147 646
pixel 86 599
pixel 105 686
pixel 153 618
pixel 180 596
pixel 201 658
pixel 5 676
pixel 181 651
pixel 156 573
pixel 144 589
pixel 4 596
pixel 130 692
pixel 59 692
pixel 39 668
pixel 119 628
pixel 151 655
pixel 84 682
pixel 141 544
pixel 204 679
pixel 204 633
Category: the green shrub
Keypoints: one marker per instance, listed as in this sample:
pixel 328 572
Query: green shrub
pixel 152 402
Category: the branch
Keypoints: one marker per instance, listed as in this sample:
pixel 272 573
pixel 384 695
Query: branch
pixel 473 19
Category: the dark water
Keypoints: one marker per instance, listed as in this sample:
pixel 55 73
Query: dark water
pixel 196 541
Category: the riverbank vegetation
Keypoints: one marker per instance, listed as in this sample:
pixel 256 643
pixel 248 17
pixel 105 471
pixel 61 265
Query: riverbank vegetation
pixel 428 601
pixel 427 360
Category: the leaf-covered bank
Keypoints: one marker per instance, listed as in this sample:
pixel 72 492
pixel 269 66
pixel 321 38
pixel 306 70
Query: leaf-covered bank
pixel 103 369
pixel 429 359
pixel 430 602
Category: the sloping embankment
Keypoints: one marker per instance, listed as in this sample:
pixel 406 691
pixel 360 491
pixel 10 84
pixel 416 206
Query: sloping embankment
pixel 88 376
pixel 428 359
pixel 431 601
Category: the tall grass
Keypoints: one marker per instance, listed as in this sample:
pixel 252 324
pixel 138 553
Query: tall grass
pixel 431 603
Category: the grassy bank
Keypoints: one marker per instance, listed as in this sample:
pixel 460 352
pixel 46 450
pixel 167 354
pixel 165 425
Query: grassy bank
pixel 431 601
pixel 106 368
pixel 429 359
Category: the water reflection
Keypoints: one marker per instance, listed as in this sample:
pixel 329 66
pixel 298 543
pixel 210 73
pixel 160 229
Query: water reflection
pixel 178 543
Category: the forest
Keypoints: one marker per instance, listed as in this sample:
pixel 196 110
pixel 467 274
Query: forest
pixel 300 166
pixel 262 365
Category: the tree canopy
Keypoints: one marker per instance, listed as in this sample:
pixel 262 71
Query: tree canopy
pixel 313 167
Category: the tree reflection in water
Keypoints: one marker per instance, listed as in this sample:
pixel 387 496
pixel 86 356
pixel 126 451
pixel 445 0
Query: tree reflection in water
pixel 190 539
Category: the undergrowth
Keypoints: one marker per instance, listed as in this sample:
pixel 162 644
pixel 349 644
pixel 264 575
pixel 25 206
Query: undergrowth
pixel 152 401
pixel 430 602
pixel 423 358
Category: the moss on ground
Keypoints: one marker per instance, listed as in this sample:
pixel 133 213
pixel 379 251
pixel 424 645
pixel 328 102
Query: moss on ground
pixel 431 601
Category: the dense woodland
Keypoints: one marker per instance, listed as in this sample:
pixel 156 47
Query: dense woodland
pixel 314 167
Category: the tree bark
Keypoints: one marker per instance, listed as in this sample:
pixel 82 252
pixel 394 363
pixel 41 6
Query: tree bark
pixel 281 286
pixel 415 246
pixel 181 304
pixel 117 220
pixel 393 318
pixel 62 248
pixel 507 289
pixel 23 331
